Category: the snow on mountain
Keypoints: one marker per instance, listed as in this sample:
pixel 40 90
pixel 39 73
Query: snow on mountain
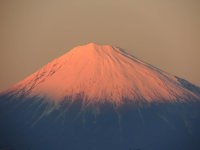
pixel 101 73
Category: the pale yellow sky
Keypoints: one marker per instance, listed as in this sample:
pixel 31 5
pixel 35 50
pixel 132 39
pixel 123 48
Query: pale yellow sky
pixel 164 33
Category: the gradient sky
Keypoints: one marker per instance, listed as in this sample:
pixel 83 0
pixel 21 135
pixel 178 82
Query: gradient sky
pixel 164 33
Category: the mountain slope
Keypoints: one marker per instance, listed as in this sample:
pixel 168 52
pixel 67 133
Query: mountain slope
pixel 102 74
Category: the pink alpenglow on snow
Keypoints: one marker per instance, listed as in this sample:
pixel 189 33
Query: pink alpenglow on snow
pixel 102 73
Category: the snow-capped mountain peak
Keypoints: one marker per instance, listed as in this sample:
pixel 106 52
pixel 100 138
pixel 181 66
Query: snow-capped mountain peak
pixel 102 73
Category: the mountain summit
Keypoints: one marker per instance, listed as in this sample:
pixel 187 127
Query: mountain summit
pixel 102 73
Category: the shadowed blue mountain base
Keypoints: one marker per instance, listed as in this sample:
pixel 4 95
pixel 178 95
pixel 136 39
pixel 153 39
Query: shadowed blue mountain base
pixel 35 126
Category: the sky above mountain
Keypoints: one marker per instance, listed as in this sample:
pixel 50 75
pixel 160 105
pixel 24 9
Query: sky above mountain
pixel 162 33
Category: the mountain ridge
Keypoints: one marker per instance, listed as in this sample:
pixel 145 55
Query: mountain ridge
pixel 102 73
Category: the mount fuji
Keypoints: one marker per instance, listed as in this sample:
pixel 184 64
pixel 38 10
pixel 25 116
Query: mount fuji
pixel 99 97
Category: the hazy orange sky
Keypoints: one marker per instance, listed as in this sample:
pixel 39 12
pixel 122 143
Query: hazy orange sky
pixel 164 33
